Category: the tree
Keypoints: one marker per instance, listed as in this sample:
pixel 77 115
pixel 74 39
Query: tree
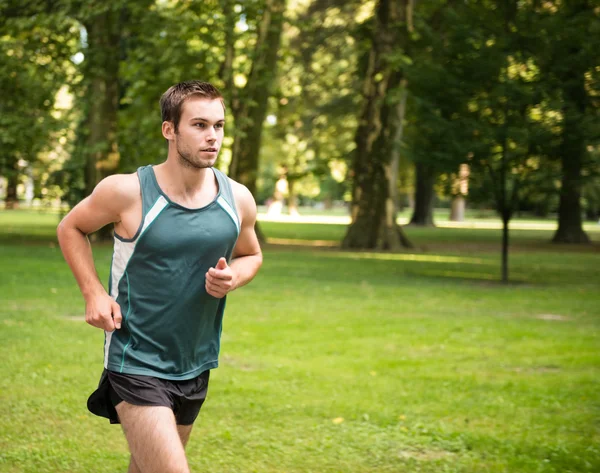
pixel 249 102
pixel 100 97
pixel 33 56
pixel 314 103
pixel 504 110
pixel 569 63
pixel 100 27
pixel 436 137
pixel 168 43
pixel 373 211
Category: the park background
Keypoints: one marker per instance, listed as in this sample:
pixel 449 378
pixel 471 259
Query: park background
pixel 428 181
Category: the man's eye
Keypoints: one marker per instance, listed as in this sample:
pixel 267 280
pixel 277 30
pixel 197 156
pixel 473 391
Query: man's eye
pixel 201 125
pixel 219 125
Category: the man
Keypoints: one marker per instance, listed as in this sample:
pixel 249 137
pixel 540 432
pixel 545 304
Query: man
pixel 184 238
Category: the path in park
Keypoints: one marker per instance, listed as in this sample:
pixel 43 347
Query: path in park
pixel 478 223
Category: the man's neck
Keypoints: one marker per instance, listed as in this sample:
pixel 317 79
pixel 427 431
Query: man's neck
pixel 187 180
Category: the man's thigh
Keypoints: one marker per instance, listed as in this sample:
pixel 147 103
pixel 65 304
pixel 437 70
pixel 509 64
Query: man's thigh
pixel 184 432
pixel 153 438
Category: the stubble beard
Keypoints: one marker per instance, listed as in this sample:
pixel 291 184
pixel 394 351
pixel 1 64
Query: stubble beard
pixel 186 159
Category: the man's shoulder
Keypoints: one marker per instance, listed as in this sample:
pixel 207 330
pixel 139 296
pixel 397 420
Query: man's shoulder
pixel 235 185
pixel 125 186
pixel 243 197
pixel 240 191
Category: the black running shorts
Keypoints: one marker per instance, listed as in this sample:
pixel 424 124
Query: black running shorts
pixel 185 398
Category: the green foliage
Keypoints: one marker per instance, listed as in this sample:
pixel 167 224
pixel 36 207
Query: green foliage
pixel 315 103
pixel 571 86
pixel 487 87
pixel 168 43
pixel 487 82
pixel 438 89
pixel 34 64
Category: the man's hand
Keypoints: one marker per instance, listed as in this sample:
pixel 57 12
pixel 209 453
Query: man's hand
pixel 102 311
pixel 220 280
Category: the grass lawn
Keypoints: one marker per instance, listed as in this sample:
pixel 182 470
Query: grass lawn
pixel 333 361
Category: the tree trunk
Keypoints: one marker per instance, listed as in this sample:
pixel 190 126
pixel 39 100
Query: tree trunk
pixel 373 210
pixel 11 201
pixel 251 109
pixel 505 203
pixel 11 173
pixel 460 189
pixel 457 211
pixel 102 76
pixel 592 213
pixel 392 171
pixel 505 220
pixel 570 224
pixel 424 193
pixel 292 198
pixel 249 106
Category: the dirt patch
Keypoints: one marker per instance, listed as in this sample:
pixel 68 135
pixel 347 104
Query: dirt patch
pixel 12 323
pixel 537 369
pixel 293 242
pixel 238 364
pixel 560 318
pixel 424 455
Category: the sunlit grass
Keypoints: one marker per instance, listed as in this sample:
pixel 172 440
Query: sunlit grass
pixel 411 257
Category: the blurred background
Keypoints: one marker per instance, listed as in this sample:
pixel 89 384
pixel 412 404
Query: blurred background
pixel 428 182
pixel 438 104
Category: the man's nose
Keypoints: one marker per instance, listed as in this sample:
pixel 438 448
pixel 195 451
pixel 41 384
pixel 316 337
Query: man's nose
pixel 211 134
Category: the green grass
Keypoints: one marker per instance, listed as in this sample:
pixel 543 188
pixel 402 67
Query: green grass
pixel 333 361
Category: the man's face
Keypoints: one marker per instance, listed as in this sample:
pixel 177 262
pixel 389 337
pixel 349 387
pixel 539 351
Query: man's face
pixel 200 134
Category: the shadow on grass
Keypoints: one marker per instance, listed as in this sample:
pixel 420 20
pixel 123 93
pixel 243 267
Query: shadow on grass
pixel 18 238
pixel 477 279
pixel 325 265
pixel 478 268
pixel 443 255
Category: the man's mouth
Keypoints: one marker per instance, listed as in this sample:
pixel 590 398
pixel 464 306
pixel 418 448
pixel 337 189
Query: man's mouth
pixel 209 150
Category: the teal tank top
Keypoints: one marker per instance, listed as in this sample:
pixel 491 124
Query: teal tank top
pixel 171 326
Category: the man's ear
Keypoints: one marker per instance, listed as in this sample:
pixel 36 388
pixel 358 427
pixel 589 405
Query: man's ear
pixel 168 130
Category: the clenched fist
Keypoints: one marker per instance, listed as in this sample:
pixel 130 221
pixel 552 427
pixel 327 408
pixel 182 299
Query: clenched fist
pixel 102 311
pixel 220 280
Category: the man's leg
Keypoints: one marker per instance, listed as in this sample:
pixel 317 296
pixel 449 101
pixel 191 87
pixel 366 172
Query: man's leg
pixel 184 432
pixel 133 468
pixel 153 439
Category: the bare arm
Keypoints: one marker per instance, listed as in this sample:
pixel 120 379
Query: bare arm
pixel 247 255
pixel 102 207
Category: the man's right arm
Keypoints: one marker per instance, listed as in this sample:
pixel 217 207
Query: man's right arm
pixel 104 206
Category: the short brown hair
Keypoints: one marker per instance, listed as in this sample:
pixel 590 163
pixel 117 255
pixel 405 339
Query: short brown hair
pixel 172 100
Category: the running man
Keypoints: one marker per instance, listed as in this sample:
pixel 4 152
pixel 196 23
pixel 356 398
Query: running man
pixel 183 239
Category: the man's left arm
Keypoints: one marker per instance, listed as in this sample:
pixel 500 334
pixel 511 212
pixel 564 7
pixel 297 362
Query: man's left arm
pixel 247 256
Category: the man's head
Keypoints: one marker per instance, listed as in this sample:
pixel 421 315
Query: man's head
pixel 171 102
pixel 193 119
